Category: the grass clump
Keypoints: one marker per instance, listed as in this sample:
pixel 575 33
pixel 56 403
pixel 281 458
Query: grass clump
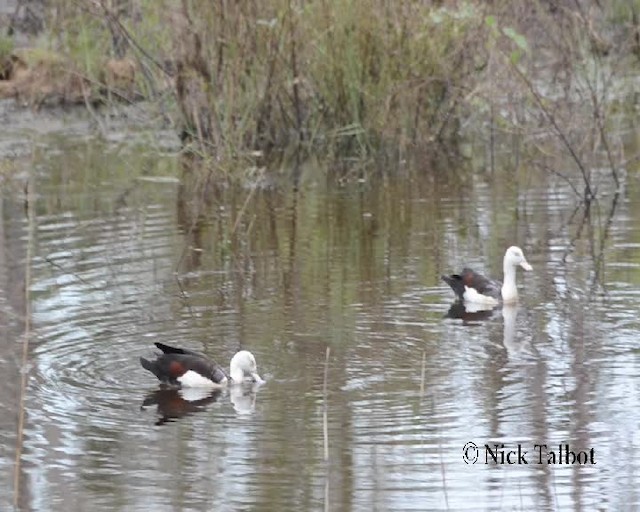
pixel 349 76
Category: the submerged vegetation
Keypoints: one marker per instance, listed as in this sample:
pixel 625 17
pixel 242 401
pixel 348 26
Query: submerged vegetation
pixel 358 79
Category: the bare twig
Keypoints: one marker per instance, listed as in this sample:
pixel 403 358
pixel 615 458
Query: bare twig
pixel 561 176
pixel 244 207
pixel 600 123
pixel 296 79
pixel 598 257
pixel 588 192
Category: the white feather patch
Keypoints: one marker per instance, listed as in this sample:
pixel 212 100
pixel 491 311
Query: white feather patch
pixel 471 295
pixel 192 379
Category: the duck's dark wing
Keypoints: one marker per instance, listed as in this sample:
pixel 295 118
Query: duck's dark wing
pixel 483 285
pixel 169 367
pixel 471 279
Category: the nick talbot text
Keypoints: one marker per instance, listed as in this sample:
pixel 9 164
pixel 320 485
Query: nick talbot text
pixel 538 454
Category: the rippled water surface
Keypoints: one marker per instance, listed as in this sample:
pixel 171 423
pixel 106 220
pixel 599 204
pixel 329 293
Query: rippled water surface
pixel 120 253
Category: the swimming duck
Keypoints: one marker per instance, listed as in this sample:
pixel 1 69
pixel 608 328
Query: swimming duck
pixel 474 288
pixel 179 367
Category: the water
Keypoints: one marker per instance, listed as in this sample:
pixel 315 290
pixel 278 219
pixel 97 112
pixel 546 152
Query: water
pixel 120 259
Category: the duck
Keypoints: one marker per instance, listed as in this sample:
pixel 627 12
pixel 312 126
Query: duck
pixel 475 289
pixel 182 368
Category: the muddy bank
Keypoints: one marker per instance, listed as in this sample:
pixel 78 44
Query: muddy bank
pixel 37 77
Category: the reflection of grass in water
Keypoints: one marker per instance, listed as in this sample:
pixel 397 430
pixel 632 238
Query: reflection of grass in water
pixel 7 169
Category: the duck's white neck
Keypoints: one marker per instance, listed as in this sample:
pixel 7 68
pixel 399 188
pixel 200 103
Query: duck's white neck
pixel 236 374
pixel 509 290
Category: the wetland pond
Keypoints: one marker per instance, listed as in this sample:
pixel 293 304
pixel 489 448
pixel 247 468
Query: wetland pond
pixel 118 254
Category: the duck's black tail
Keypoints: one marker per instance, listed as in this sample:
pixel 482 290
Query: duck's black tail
pixel 152 366
pixel 167 349
pixel 456 284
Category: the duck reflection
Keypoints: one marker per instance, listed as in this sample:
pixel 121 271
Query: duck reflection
pixel 173 404
pixel 243 397
pixel 468 314
pixel 513 345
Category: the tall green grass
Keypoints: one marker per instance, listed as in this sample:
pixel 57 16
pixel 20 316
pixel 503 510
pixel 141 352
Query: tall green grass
pixel 348 76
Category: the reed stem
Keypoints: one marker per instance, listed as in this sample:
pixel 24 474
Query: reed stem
pixel 325 428
pixel 424 360
pixel 25 345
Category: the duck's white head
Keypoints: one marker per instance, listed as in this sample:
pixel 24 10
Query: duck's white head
pixel 514 257
pixel 243 366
